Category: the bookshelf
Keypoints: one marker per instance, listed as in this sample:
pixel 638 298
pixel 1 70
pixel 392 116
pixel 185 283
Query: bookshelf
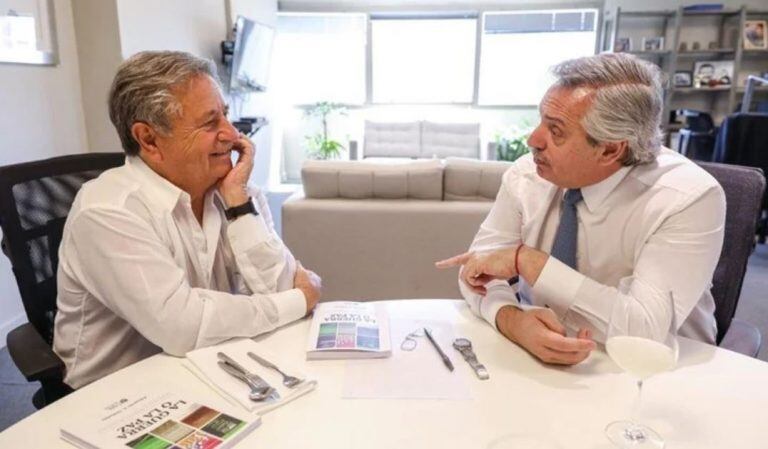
pixel 719 37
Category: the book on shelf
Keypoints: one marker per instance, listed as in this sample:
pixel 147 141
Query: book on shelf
pixel 156 421
pixel 349 330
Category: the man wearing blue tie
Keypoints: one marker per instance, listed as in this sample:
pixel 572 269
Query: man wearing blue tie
pixel 598 203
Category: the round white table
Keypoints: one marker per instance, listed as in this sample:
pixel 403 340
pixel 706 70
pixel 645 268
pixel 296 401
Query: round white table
pixel 713 399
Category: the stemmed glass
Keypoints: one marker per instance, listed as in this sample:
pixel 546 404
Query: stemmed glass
pixel 642 351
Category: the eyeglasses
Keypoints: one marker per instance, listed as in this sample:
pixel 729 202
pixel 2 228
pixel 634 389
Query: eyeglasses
pixel 410 341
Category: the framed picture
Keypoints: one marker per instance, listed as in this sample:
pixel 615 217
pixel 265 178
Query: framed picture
pixel 622 44
pixel 713 73
pixel 755 35
pixel 653 43
pixel 683 78
pixel 28 32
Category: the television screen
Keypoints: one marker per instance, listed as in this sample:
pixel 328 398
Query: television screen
pixel 252 52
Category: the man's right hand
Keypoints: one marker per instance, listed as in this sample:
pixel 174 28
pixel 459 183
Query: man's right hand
pixel 310 284
pixel 541 333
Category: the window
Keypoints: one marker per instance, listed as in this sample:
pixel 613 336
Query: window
pixel 519 48
pixel 423 59
pixel 319 57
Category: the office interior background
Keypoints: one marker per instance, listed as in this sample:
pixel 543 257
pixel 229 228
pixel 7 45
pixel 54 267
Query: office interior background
pixel 383 61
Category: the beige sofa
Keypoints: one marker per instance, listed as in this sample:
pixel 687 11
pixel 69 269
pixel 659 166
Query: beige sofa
pixel 374 231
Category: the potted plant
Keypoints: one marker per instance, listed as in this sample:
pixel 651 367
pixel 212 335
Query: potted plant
pixel 512 144
pixel 320 145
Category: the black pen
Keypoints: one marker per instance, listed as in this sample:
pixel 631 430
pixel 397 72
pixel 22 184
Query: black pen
pixel 445 358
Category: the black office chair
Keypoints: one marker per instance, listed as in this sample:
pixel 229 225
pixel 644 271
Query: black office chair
pixel 697 138
pixel 35 198
pixel 744 188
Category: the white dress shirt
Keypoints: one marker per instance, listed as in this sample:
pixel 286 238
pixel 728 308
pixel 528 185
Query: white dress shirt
pixel 138 274
pixel 659 226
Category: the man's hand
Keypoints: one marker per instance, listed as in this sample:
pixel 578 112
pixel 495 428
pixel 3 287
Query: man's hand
pixel 481 268
pixel 233 186
pixel 310 284
pixel 541 333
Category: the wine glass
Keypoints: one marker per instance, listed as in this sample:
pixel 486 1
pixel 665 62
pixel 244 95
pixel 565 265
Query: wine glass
pixel 642 351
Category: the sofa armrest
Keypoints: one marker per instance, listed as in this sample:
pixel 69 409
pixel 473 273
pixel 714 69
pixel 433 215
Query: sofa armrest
pixel 32 355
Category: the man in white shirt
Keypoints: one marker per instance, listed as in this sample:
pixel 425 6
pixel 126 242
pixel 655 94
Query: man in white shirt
pixel 598 204
pixel 169 252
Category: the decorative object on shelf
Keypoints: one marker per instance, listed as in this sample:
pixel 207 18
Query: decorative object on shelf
pixel 683 78
pixel 653 43
pixel 682 47
pixel 712 45
pixel 696 46
pixel 755 36
pixel 319 145
pixel 714 73
pixel 622 44
pixel 700 7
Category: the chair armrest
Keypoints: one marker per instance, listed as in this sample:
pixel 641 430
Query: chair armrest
pixel 32 355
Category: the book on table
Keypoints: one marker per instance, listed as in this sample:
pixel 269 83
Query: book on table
pixel 349 330
pixel 156 421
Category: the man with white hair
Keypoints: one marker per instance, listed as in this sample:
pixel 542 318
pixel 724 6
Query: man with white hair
pixel 171 251
pixel 599 211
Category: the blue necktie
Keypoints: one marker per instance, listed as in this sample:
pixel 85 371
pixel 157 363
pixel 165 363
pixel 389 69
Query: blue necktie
pixel 564 248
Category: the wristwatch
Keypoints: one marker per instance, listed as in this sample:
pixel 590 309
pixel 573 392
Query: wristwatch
pixel 243 209
pixel 464 346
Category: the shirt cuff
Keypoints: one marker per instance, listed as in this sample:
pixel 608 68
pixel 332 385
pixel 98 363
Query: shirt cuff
pixel 494 300
pixel 557 286
pixel 247 230
pixel 290 305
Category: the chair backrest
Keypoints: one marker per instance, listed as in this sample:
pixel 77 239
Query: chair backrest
pixel 744 187
pixel 35 198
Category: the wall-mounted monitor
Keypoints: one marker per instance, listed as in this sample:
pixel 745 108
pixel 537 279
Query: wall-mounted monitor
pixel 251 56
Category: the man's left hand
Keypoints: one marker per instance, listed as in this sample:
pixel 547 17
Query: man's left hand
pixel 233 187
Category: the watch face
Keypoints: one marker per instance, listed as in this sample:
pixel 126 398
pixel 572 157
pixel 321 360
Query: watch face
pixel 462 343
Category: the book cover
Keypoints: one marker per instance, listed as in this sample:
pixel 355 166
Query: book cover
pixel 343 329
pixel 163 421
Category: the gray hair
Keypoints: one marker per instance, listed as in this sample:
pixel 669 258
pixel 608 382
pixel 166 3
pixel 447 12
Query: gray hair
pixel 627 104
pixel 142 91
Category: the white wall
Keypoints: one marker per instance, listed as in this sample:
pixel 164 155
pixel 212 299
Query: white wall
pixel 40 117
pixel 99 52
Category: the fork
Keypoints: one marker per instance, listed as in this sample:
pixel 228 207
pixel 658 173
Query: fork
pixel 260 389
pixel 288 381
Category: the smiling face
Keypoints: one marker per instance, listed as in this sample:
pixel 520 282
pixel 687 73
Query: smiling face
pixel 563 152
pixel 195 154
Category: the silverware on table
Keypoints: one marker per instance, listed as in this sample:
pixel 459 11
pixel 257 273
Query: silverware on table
pixel 288 381
pixel 260 389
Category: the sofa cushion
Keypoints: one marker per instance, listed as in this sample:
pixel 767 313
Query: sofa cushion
pixel 444 140
pixel 473 180
pixel 360 179
pixel 392 139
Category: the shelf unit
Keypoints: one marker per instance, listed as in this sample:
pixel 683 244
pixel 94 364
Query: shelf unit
pixel 728 46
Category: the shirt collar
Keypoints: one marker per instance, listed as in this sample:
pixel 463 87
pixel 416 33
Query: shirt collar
pixel 159 189
pixel 595 194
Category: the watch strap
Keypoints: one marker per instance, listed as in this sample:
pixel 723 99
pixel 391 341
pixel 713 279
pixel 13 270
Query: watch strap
pixel 242 209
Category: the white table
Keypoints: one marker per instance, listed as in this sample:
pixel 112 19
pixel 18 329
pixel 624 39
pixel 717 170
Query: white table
pixel 714 399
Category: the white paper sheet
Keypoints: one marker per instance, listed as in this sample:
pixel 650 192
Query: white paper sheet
pixel 417 374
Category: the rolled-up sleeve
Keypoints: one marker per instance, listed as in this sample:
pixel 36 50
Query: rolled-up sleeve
pixel 500 229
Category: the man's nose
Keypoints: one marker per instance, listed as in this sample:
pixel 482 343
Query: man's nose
pixel 535 140
pixel 228 132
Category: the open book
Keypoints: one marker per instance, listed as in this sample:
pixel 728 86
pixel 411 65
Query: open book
pixel 349 330
pixel 160 420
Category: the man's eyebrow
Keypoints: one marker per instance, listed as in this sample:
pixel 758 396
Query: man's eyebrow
pixel 554 119
pixel 208 115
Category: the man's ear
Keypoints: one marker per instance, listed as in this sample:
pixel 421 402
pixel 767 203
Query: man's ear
pixel 146 136
pixel 613 152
